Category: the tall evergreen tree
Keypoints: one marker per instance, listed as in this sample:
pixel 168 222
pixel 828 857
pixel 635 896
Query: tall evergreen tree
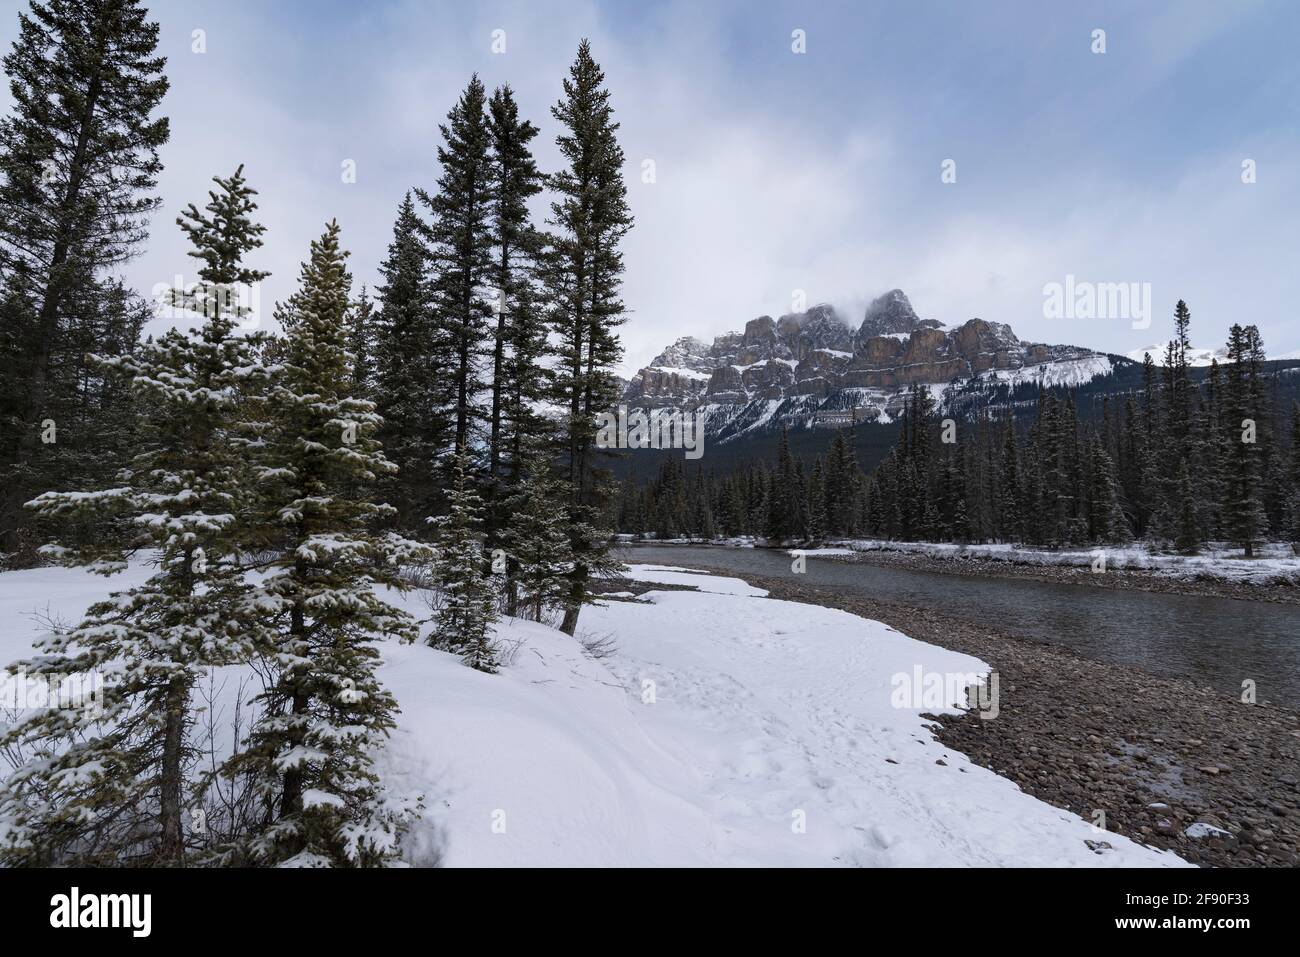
pixel 520 379
pixel 1012 529
pixel 79 156
pixel 309 759
pixel 515 245
pixel 780 525
pixel 817 503
pixel 589 218
pixel 411 374
pixel 1243 509
pixel 1189 529
pixel 460 245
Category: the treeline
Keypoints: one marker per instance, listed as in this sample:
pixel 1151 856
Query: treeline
pixel 1179 464
pixel 783 502
pixel 372 443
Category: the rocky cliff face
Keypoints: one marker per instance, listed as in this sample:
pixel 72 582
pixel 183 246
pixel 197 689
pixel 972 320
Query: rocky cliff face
pixel 810 368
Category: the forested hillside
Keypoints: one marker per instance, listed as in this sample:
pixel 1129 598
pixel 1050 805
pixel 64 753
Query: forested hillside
pixel 1180 457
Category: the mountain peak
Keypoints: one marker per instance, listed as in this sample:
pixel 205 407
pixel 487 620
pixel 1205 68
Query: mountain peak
pixel 892 314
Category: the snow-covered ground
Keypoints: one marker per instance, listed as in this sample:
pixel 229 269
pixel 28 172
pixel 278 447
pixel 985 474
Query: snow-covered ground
pixel 725 728
pixel 1273 562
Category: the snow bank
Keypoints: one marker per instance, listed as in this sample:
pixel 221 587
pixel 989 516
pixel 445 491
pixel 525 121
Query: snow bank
pixel 1275 562
pixel 672 575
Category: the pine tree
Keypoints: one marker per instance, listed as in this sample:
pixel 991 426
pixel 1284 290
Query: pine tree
pixel 1012 529
pixel 515 245
pixel 466 609
pixel 1110 524
pixel 1189 533
pixel 110 787
pixel 536 536
pixel 779 526
pixel 309 758
pixel 1156 519
pixel 460 246
pixel 1243 510
pixel 411 374
pixel 361 339
pixel 80 161
pixel 520 378
pixel 584 271
pixel 1210 452
pixel 817 504
pixel 90 414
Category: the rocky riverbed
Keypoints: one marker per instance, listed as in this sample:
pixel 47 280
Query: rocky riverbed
pixel 1165 761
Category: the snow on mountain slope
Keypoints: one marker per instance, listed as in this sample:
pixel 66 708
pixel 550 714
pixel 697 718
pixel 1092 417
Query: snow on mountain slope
pixel 1195 357
pixel 758 714
pixel 1066 372
pixel 813 369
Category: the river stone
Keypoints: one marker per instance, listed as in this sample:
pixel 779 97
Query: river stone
pixel 1201 830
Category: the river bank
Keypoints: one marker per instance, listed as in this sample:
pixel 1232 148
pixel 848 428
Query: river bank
pixel 1154 755
pixel 1215 574
pixel 1122 579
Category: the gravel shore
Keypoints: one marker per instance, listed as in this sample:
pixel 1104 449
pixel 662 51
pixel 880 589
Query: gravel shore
pixel 1156 755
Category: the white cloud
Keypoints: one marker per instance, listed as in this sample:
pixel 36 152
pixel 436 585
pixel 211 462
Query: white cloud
pixel 757 194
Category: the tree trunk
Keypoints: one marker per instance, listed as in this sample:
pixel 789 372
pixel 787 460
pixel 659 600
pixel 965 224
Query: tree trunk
pixel 498 358
pixel 171 849
pixel 512 598
pixel 577 590
pixel 291 799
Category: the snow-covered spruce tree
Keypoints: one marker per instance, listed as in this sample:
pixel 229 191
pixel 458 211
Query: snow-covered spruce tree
pixel 536 535
pixel 108 786
pixel 584 270
pixel 79 154
pixel 309 757
pixel 467 606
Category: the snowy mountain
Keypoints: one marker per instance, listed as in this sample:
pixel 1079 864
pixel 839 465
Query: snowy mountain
pixel 1195 357
pixel 816 369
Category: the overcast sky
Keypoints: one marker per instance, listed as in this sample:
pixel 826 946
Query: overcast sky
pixel 777 171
